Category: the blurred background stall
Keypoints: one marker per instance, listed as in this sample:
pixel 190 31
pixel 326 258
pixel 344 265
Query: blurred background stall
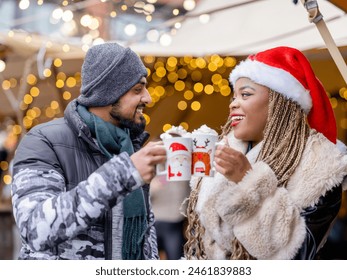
pixel 188 46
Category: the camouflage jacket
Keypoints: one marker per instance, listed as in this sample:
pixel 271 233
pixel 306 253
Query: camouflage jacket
pixel 63 186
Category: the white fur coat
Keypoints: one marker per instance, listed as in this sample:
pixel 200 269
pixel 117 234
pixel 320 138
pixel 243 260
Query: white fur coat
pixel 264 218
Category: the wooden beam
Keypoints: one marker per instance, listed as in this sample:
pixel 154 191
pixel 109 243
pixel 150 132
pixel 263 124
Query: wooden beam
pixel 342 4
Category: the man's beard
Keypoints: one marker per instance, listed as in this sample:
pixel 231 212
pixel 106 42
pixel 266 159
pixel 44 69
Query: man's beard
pixel 135 128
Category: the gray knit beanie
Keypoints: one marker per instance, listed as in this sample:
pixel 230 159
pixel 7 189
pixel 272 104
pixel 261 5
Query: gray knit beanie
pixel 108 72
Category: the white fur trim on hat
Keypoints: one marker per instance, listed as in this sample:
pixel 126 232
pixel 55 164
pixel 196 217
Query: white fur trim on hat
pixel 274 78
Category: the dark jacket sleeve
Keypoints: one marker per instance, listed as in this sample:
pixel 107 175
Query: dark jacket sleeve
pixel 319 220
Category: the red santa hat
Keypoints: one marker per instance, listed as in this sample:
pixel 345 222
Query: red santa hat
pixel 178 149
pixel 287 71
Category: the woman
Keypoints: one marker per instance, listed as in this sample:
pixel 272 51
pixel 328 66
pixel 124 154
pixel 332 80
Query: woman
pixel 277 189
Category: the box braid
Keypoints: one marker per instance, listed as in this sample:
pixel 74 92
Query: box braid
pixel 285 137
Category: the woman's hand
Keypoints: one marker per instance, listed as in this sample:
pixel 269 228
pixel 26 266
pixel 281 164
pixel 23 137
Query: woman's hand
pixel 231 163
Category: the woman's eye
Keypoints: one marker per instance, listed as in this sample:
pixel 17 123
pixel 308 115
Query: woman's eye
pixel 242 95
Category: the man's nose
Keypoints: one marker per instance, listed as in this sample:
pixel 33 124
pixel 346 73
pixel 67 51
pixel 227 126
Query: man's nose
pixel 146 97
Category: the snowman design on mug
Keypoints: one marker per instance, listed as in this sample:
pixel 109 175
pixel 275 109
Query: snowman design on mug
pixel 179 160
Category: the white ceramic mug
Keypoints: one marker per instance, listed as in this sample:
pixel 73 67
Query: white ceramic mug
pixel 179 159
pixel 204 146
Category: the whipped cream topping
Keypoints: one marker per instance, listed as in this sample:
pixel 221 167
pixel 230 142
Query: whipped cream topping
pixel 175 131
pixel 204 129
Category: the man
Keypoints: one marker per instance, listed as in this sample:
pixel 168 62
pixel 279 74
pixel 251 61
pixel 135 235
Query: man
pixel 80 188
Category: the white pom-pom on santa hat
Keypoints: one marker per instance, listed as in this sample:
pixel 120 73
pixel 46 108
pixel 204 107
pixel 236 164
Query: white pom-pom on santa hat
pixel 287 71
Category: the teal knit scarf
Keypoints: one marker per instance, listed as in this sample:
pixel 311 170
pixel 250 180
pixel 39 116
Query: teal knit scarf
pixel 114 140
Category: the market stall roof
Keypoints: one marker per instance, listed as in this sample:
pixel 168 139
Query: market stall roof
pixel 241 27
pixel 26 44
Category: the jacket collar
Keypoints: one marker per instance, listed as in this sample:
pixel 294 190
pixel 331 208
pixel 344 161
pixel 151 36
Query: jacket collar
pixel 322 167
pixel 76 123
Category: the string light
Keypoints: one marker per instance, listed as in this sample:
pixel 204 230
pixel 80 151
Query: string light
pixel 205 18
pixel 2 65
pixel 165 40
pixel 152 35
pixel 130 29
pixel 189 4
pixel 24 4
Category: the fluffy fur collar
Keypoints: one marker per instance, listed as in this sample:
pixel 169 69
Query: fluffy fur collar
pixel 323 166
pixel 227 208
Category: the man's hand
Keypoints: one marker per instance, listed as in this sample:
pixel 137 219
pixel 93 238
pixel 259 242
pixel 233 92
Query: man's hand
pixel 146 159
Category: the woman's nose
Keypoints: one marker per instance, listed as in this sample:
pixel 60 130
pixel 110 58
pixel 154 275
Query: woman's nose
pixel 233 104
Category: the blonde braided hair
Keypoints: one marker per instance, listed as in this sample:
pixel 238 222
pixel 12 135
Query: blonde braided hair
pixel 194 247
pixel 285 137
